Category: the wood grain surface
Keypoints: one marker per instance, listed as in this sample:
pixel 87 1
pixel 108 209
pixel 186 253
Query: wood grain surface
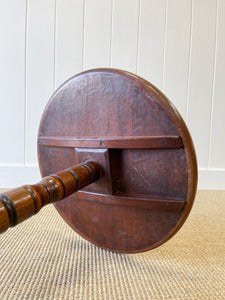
pixel 148 156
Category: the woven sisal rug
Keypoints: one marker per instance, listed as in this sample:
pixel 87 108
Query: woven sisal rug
pixel 43 258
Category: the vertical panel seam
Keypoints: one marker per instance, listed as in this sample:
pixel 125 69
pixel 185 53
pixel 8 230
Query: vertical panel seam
pixel 25 84
pixel 189 63
pixel 110 41
pixel 214 81
pixel 54 51
pixel 83 40
pixel 111 33
pixel 138 37
pixel 164 47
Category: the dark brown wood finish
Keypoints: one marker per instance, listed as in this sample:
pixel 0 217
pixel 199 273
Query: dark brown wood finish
pixel 150 171
pixel 21 203
pixel 137 142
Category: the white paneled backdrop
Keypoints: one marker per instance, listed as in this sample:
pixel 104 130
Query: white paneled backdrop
pixel 178 45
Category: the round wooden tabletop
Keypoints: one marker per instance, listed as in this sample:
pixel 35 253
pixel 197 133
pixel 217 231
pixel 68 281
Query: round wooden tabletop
pixel 134 132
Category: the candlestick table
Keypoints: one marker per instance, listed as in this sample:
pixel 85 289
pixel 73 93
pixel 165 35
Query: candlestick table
pixel 129 166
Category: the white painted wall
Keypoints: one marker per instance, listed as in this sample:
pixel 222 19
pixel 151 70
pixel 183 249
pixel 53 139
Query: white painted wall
pixel 177 45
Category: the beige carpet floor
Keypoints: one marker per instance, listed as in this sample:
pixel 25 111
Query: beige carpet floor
pixel 43 258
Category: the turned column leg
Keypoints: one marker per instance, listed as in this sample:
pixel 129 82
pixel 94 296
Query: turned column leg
pixel 18 204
